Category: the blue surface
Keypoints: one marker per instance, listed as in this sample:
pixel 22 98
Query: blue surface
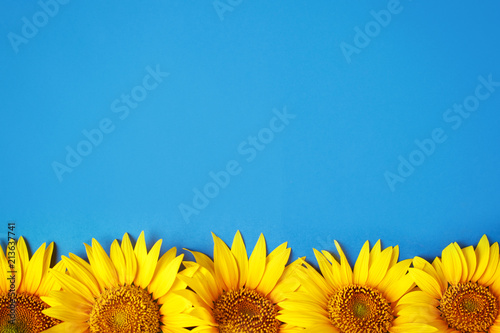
pixel 357 103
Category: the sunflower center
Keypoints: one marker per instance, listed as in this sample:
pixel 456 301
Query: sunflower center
pixel 22 313
pixel 469 307
pixel 245 311
pixel 354 309
pixel 125 309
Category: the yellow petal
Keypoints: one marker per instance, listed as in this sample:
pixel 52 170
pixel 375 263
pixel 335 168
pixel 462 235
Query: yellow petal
pixel 426 282
pixel 240 254
pixel 4 267
pixel 395 255
pixel 130 260
pixel 437 264
pixel 273 272
pixel 73 286
pixel 424 265
pixel 465 270
pixel 394 274
pixel 203 260
pixel 345 268
pixel 257 263
pixel 482 257
pixel 22 254
pixel 203 284
pixel 379 268
pixel 326 270
pixel 49 282
pixel 103 266
pixel 360 274
pixel 288 283
pixel 81 274
pixel 164 277
pixel 118 260
pixel 34 271
pixel 68 327
pixel 148 266
pixel 375 252
pixel 47 259
pixel 319 282
pixel 66 315
pixel 470 258
pixel 492 265
pixel 140 249
pixel 452 264
pixel 71 301
pixel 399 288
pixel 226 268
pixel 413 328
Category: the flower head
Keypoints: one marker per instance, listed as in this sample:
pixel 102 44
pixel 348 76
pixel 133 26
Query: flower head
pixel 129 291
pixel 459 292
pixel 23 281
pixel 235 293
pixel 363 299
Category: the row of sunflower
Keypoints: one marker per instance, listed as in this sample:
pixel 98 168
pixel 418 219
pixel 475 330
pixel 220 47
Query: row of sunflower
pixel 133 290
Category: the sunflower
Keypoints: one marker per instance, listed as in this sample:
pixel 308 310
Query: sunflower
pixel 23 281
pixel 129 291
pixel 353 301
pixel 234 293
pixel 461 291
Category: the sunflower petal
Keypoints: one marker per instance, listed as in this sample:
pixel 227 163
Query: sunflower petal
pixel 452 264
pixel 148 267
pixel 257 263
pixel 470 259
pixel 116 255
pixel 426 282
pixel 103 266
pixel 492 265
pixel 273 272
pixel 130 260
pixel 379 268
pixel 240 253
pixel 360 274
pixel 482 257
pixel 226 268
pixel 345 268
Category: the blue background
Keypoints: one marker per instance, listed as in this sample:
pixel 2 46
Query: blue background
pixel 230 64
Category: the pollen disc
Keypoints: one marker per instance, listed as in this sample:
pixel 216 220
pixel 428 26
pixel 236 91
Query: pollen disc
pixel 355 309
pixel 469 307
pixel 22 313
pixel 245 310
pixel 125 309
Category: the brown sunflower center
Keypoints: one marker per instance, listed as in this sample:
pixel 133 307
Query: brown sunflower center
pixel 125 309
pixel 469 307
pixel 245 311
pixel 354 309
pixel 22 313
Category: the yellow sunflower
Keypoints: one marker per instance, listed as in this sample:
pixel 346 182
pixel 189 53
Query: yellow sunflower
pixel 461 291
pixel 234 293
pixel 363 300
pixel 22 282
pixel 128 291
